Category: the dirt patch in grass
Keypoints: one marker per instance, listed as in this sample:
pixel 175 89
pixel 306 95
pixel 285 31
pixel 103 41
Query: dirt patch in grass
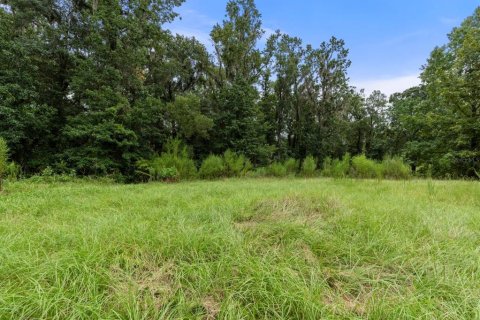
pixel 342 298
pixel 308 254
pixel 212 307
pixel 353 292
pixel 349 303
pixel 292 208
pixel 149 282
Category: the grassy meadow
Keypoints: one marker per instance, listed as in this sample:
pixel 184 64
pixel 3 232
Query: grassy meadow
pixel 241 249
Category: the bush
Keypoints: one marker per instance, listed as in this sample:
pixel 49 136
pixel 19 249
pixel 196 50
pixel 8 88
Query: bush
pixel 362 167
pixel 336 168
pixel 176 155
pixel 47 172
pixel 168 174
pixel 291 165
pixel 327 167
pixel 276 169
pixel 259 172
pixel 212 167
pixel 160 168
pixel 236 165
pixel 13 171
pixel 247 168
pixel 395 168
pixel 309 166
pixel 341 168
pixel 48 175
pixel 155 170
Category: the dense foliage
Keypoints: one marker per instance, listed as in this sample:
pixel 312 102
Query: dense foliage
pixel 3 160
pixel 100 87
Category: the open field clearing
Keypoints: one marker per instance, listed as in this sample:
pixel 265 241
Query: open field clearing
pixel 241 249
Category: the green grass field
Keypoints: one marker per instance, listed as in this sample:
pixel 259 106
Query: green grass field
pixel 241 249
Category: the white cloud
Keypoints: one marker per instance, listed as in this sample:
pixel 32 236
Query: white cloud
pixel 387 85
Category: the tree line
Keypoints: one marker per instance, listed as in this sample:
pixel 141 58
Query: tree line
pixel 103 87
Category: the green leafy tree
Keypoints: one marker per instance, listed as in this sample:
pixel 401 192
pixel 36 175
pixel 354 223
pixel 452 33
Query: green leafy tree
pixel 239 121
pixel 286 55
pixel 452 83
pixel 437 125
pixel 235 43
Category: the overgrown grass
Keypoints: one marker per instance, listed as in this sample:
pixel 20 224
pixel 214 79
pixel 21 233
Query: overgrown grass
pixel 241 249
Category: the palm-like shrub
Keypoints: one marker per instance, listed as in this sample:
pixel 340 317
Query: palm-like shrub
pixel 212 167
pixel 235 165
pixel 291 165
pixel 309 166
pixel 395 168
pixel 336 168
pixel 276 169
pixel 173 164
pixel 13 171
pixel 362 167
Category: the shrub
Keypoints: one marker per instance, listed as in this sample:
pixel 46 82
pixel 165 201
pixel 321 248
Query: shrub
pixel 309 166
pixel 47 172
pixel 362 167
pixel 276 169
pixel 327 167
pixel 341 168
pixel 160 168
pixel 155 170
pixel 259 172
pixel 291 165
pixel 176 155
pixel 235 165
pixel 247 168
pixel 212 167
pixel 48 175
pixel 13 171
pixel 168 174
pixel 395 168
pixel 336 168
pixel 3 160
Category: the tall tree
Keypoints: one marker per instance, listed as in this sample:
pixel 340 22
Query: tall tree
pixel 449 116
pixel 376 125
pixel 325 92
pixel 235 43
pixel 286 54
pixel 239 123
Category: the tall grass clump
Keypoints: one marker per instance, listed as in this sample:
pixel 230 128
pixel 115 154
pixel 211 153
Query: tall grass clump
pixel 276 169
pixel 174 163
pixel 309 166
pixel 236 165
pixel 336 168
pixel 3 160
pixel 212 167
pixel 291 165
pixel 13 171
pixel 395 168
pixel 365 168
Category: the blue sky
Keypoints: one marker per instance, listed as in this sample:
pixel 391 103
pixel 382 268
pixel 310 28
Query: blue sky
pixel 388 40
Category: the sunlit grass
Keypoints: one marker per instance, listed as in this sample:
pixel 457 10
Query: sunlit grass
pixel 251 249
